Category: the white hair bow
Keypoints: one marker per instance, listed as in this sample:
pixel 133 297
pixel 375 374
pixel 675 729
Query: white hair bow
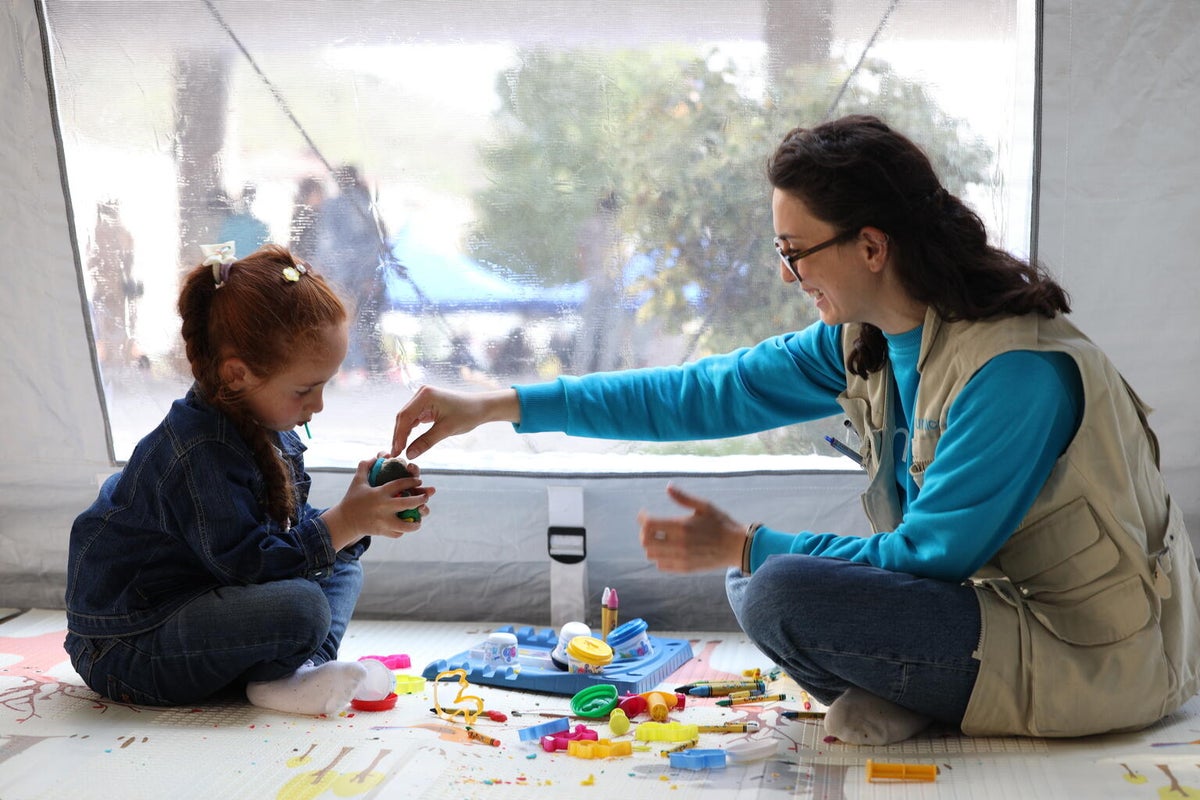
pixel 219 257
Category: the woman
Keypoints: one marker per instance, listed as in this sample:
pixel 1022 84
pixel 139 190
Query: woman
pixel 1026 565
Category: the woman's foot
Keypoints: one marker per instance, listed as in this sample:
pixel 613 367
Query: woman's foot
pixel 859 717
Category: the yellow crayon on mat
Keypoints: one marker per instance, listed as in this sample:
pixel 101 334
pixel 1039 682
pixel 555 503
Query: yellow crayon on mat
pixel 880 771
pixel 728 727
pixel 802 714
pixel 745 701
pixel 716 688
pixel 688 745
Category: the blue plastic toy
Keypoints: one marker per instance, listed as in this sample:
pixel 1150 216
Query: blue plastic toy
pixel 534 733
pixel 629 676
pixel 698 759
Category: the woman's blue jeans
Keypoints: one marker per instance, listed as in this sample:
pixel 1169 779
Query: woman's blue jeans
pixel 224 639
pixel 832 624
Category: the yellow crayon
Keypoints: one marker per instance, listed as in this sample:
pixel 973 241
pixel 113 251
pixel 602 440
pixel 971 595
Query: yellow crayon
pixel 728 727
pixel 716 688
pixel 802 714
pixel 766 698
pixel 880 771
pixel 688 745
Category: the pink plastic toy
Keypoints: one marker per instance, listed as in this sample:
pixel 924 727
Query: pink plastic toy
pixel 561 741
pixel 397 661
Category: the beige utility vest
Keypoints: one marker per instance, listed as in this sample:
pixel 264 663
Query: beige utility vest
pixel 1091 609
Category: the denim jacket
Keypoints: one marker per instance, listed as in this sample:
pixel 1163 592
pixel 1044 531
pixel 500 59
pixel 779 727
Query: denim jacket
pixel 187 515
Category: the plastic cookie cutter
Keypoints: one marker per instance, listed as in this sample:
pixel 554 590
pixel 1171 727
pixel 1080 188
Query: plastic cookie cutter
pixel 666 732
pixel 698 759
pixel 494 716
pixel 880 771
pixel 394 661
pixel 409 684
pixel 594 701
pixel 602 748
pixel 562 740
pixel 468 716
pixel 535 732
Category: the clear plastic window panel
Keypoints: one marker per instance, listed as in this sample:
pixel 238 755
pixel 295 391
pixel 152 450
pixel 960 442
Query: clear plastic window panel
pixel 507 191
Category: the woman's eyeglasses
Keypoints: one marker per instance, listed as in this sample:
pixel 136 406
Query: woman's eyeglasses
pixel 790 258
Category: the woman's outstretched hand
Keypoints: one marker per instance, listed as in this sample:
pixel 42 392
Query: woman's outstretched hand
pixel 449 413
pixel 705 539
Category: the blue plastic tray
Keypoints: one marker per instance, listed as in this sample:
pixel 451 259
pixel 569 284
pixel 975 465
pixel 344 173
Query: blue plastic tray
pixel 535 672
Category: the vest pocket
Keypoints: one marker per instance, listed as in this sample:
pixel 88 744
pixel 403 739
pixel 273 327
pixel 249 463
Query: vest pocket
pixel 1109 615
pixel 1066 570
pixel 1063 550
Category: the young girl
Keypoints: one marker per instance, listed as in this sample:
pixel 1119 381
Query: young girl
pixel 201 567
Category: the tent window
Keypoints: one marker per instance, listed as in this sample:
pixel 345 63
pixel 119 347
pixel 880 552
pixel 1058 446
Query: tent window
pixel 508 192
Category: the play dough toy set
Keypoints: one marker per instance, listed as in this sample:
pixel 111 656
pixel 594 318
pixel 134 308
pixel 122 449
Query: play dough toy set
pixel 569 661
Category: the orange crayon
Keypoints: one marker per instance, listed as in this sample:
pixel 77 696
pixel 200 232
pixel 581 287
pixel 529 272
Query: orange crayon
pixel 482 737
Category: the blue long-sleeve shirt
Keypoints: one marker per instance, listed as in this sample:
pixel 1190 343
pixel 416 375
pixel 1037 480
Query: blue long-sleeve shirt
pixel 1004 432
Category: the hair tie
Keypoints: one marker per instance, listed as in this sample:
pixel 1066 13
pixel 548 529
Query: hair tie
pixel 220 257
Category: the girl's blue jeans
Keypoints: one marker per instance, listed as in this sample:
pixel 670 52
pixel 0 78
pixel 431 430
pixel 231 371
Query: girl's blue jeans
pixel 223 639
pixel 832 624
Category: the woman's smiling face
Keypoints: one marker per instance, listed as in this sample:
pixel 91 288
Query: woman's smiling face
pixel 834 277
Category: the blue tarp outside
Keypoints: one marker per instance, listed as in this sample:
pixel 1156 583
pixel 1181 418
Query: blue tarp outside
pixel 450 281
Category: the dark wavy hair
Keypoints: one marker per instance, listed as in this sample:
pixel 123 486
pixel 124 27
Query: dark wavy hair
pixel 264 319
pixel 856 171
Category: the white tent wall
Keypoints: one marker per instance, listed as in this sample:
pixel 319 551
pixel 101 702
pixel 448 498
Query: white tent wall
pixel 1117 206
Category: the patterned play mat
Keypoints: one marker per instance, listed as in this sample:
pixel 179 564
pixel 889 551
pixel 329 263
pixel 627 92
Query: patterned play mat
pixel 59 740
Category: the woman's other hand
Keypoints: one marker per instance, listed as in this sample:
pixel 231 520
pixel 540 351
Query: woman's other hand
pixel 705 539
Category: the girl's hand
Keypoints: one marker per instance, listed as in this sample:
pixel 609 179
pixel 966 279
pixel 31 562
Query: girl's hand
pixel 368 510
pixel 704 540
pixel 450 413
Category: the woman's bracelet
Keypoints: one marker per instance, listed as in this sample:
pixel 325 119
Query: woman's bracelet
pixel 750 531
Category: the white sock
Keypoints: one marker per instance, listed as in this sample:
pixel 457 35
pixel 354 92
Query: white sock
pixel 859 717
pixel 310 689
